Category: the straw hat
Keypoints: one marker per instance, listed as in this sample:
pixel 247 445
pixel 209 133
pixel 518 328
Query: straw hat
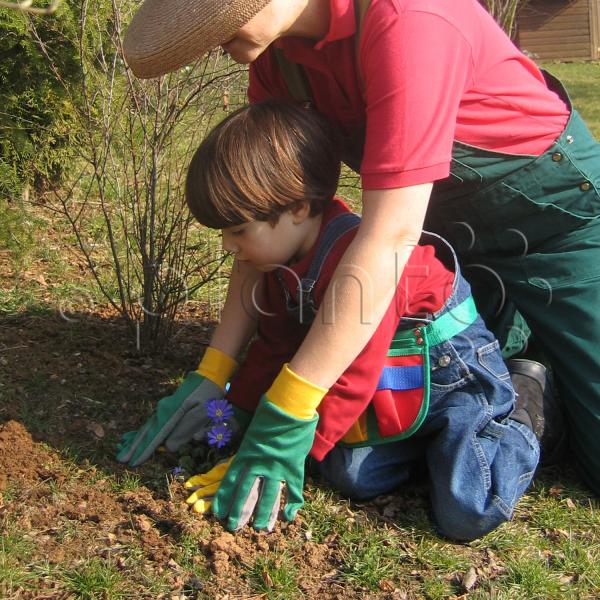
pixel 167 34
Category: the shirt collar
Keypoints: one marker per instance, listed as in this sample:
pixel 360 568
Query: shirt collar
pixel 342 22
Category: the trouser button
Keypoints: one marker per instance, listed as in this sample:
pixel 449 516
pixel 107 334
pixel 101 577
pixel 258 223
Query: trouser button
pixel 444 361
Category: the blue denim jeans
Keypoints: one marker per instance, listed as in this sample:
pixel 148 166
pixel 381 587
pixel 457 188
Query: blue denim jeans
pixel 479 460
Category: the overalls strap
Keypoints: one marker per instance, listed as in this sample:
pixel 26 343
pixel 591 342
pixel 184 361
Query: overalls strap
pixel 304 306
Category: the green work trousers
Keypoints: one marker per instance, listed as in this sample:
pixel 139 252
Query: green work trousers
pixel 527 230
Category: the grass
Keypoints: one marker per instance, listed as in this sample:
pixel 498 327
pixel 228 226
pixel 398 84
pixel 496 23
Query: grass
pixel 15 552
pixel 96 579
pixel 370 555
pixel 581 80
pixel 275 576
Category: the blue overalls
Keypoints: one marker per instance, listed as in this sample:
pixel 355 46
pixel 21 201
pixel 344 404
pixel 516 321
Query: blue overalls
pixel 479 460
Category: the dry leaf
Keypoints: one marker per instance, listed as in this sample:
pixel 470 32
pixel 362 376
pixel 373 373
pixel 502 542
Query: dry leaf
pixel 267 579
pixel 469 579
pixel 142 522
pixel 96 429
pixel 386 585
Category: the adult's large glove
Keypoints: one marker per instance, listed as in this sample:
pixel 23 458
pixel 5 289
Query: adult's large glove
pixel 182 416
pixel 272 452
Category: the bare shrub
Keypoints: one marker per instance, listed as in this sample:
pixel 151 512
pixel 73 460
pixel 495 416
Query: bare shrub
pixel 125 202
pixel 505 13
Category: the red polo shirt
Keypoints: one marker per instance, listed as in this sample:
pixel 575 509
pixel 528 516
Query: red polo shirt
pixel 423 288
pixel 434 71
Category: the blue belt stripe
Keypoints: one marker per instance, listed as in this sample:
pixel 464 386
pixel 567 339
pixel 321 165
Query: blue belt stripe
pixel 401 378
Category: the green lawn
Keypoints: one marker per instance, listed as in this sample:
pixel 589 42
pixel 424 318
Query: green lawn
pixel 582 81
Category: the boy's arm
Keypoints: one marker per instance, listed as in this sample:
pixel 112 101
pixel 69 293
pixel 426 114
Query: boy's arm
pixel 184 415
pixel 239 315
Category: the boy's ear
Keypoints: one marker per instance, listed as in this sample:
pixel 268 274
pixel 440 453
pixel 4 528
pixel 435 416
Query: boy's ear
pixel 301 212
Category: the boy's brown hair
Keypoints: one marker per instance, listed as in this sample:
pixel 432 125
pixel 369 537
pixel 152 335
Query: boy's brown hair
pixel 260 161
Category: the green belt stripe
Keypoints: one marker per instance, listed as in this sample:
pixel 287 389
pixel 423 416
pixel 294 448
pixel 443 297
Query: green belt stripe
pixel 441 330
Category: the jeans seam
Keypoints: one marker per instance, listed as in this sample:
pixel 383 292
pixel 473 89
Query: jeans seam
pixel 450 387
pixel 483 463
pixel 504 508
pixel 526 476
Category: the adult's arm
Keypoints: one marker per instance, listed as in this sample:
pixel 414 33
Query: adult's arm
pixel 239 315
pixel 364 282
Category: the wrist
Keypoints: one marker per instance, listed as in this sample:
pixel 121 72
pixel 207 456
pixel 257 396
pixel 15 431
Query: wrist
pixel 295 395
pixel 216 366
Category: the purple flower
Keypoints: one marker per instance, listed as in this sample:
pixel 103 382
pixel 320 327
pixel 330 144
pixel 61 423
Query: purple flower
pixel 177 471
pixel 219 435
pixel 219 410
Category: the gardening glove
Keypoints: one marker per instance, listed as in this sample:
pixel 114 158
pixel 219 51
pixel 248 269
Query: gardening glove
pixel 272 453
pixel 182 416
pixel 205 486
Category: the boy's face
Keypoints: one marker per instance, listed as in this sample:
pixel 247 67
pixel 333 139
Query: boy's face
pixel 267 247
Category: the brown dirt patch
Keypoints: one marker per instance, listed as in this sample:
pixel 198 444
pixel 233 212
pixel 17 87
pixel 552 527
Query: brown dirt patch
pixel 73 515
pixel 67 392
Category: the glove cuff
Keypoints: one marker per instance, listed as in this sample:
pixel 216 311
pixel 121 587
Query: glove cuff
pixel 216 366
pixel 295 395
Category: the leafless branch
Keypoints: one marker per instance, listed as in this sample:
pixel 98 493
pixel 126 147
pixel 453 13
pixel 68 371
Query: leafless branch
pixel 26 7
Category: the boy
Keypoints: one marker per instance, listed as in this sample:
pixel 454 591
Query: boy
pixel 430 385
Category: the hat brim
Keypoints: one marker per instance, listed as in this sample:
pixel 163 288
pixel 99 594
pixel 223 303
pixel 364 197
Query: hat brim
pixel 165 35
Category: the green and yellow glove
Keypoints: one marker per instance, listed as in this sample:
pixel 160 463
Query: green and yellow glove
pixel 205 486
pixel 182 416
pixel 272 453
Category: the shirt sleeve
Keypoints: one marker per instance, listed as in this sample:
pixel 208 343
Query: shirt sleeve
pixel 415 68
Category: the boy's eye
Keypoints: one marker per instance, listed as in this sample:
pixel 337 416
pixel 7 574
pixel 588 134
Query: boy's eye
pixel 237 232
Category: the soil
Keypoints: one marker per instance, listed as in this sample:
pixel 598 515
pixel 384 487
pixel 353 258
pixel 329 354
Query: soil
pixel 107 522
pixel 68 390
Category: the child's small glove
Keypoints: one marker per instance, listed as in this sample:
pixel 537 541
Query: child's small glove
pixel 205 486
pixel 272 452
pixel 181 417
